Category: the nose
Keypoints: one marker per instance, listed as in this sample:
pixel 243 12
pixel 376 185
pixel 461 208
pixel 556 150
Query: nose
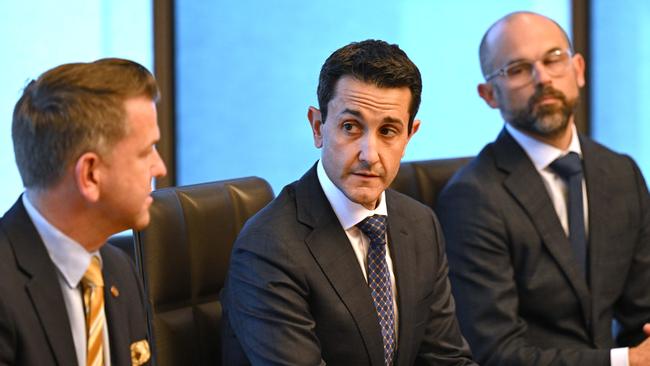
pixel 540 74
pixel 158 169
pixel 368 150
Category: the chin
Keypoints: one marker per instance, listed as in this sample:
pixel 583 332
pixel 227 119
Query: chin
pixel 142 222
pixel 365 199
pixel 551 126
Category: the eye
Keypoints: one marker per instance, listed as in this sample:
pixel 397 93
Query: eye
pixel 350 126
pixel 519 69
pixel 388 131
pixel 551 60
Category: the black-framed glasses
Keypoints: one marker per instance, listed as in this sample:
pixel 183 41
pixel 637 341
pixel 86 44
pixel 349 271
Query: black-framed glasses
pixel 520 73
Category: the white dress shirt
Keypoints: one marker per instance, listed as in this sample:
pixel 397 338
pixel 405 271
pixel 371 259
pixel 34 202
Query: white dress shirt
pixel 542 155
pixel 71 261
pixel 349 215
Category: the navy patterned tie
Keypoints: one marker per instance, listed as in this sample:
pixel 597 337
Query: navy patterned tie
pixel 569 167
pixel 374 227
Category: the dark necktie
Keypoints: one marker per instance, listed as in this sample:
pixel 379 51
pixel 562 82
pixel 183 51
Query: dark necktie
pixel 569 167
pixel 374 227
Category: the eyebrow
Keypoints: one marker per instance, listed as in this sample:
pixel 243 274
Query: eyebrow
pixel 353 112
pixel 358 114
pixel 528 60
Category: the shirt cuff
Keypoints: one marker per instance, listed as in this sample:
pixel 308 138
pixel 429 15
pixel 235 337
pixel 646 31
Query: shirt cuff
pixel 619 356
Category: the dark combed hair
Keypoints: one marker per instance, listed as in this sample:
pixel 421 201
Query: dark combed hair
pixel 72 109
pixel 370 61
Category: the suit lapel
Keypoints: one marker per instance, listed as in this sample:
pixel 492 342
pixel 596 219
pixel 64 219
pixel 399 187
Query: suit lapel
pixel 403 260
pixel 527 187
pixel 598 199
pixel 117 322
pixel 43 287
pixel 332 251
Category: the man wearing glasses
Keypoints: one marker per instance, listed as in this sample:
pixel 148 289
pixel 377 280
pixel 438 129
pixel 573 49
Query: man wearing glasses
pixel 548 232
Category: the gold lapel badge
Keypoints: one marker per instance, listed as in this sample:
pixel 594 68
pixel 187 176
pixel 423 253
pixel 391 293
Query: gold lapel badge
pixel 140 353
pixel 114 291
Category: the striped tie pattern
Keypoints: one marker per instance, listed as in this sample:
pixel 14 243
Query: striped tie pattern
pixel 374 227
pixel 93 293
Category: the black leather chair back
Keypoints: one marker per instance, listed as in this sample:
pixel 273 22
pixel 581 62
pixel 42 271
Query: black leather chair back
pixel 423 180
pixel 183 256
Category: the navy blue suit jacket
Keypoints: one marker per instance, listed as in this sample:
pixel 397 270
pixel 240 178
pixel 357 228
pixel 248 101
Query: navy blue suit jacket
pixel 34 325
pixel 522 298
pixel 295 294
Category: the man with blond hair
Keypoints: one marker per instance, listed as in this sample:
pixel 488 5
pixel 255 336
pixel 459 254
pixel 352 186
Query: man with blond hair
pixel 84 138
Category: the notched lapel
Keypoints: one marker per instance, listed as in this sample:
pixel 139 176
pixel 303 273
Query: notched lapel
pixel 43 287
pixel 527 187
pixel 48 302
pixel 116 315
pixel 332 251
pixel 599 200
pixel 403 262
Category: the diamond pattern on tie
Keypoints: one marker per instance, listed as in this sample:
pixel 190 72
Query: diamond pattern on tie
pixel 93 296
pixel 569 168
pixel 374 227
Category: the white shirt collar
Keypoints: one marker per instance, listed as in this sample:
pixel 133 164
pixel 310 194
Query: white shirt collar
pixel 349 213
pixel 69 257
pixel 540 153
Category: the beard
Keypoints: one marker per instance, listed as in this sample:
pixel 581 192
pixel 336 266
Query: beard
pixel 547 120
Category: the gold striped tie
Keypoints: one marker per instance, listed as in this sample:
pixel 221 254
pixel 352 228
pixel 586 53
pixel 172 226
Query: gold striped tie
pixel 93 285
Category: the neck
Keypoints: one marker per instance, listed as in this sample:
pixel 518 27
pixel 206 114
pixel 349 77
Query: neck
pixel 70 215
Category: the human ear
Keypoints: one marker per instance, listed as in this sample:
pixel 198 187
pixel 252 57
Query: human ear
pixel 579 67
pixel 87 176
pixel 487 93
pixel 414 128
pixel 314 116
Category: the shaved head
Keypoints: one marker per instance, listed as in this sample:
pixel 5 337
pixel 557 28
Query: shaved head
pixel 497 30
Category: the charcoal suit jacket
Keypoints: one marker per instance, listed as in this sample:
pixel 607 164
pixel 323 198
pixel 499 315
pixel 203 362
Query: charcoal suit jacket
pixel 34 325
pixel 295 294
pixel 522 298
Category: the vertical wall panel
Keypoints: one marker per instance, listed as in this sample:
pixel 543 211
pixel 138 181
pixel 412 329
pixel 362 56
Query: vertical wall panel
pixel 246 71
pixel 620 112
pixel 40 34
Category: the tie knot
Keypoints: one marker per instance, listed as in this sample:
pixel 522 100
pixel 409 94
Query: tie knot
pixel 567 166
pixel 93 275
pixel 374 227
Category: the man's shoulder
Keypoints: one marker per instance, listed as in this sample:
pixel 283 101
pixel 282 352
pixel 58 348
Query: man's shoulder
pixel 606 158
pixel 280 209
pixel 279 217
pixel 481 172
pixel 15 229
pixel 117 257
pixel 406 205
pixel 479 183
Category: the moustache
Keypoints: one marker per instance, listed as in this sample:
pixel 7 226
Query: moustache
pixel 545 92
pixel 365 168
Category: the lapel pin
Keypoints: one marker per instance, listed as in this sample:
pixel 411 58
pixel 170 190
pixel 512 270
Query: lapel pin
pixel 114 291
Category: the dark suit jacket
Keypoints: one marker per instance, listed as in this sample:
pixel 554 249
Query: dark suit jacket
pixel 295 294
pixel 34 325
pixel 522 299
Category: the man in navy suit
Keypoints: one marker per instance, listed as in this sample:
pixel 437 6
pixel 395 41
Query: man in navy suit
pixel 303 283
pixel 548 232
pixel 84 138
